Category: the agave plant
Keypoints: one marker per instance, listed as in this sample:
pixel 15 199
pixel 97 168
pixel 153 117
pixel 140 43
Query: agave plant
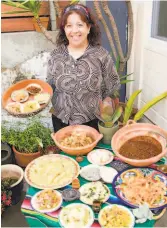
pixel 28 6
pixel 146 107
pixel 109 111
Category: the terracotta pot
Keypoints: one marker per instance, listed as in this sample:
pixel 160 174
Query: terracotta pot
pixel 23 159
pixel 133 129
pixel 107 132
pixel 16 188
pixel 66 131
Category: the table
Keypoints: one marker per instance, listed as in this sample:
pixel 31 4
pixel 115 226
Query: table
pixel 36 219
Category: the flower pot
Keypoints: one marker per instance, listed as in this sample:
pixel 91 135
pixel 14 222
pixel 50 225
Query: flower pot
pixel 16 188
pixel 6 154
pixel 23 159
pixel 107 132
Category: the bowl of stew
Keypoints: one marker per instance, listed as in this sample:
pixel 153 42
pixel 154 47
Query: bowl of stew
pixel 140 144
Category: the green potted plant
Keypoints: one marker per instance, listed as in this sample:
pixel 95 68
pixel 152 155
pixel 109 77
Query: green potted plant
pixel 27 144
pixel 139 114
pixel 109 114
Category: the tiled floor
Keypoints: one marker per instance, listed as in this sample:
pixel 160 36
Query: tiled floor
pixel 13 217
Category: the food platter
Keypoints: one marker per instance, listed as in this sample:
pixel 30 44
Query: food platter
pixel 52 171
pixel 136 186
pixel 116 216
pixel 94 191
pixel 76 215
pixel 27 97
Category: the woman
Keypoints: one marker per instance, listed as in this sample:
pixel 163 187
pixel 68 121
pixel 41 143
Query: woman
pixel 80 71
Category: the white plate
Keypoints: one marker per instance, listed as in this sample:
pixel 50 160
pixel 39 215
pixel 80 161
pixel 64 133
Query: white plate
pixel 100 192
pixel 120 207
pixel 72 211
pixel 100 157
pixel 108 173
pixel 36 207
pixel 90 172
pixel 42 172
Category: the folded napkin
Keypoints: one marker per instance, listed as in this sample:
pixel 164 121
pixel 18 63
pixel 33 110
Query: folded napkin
pixel 142 213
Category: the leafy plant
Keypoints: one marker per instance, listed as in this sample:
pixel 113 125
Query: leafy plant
pixel 35 136
pixel 140 113
pixel 109 112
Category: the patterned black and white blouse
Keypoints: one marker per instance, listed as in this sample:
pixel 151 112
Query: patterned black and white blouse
pixel 80 83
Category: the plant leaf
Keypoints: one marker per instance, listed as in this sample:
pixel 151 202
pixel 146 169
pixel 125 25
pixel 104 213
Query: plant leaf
pixel 125 76
pixel 117 114
pixel 148 105
pixel 15 4
pixel 74 2
pixel 125 81
pixel 129 106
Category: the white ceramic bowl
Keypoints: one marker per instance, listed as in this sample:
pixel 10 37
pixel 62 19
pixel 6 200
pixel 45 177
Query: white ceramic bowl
pixel 122 208
pixel 100 157
pixel 72 207
pixel 36 207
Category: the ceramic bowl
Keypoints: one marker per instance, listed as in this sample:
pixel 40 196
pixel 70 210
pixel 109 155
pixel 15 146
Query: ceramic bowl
pixel 66 131
pixel 76 212
pixel 119 207
pixel 35 205
pixel 133 129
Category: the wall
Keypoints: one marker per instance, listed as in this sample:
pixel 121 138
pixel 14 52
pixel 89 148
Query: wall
pixel 19 47
pixel 148 64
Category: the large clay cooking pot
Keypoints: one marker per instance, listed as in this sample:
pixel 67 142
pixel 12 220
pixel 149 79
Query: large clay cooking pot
pixel 66 131
pixel 133 129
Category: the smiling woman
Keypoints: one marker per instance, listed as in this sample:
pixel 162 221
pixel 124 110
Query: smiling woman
pixel 80 71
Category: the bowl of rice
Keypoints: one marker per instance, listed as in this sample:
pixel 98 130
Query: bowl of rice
pixel 77 139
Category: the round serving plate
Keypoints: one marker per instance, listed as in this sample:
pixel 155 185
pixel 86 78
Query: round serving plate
pixel 52 171
pixel 34 202
pixel 92 191
pixel 76 212
pixel 153 174
pixel 6 98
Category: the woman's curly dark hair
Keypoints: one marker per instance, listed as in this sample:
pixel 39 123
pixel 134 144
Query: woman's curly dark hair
pixel 94 36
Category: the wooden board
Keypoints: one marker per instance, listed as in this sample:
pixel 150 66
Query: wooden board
pixel 19 24
pixel 44 10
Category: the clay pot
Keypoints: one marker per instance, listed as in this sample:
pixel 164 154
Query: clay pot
pixel 23 159
pixel 133 129
pixel 16 188
pixel 66 131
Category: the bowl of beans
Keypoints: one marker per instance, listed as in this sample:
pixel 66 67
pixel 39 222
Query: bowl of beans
pixel 140 144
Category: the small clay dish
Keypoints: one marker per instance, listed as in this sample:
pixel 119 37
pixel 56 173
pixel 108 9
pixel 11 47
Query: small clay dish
pixel 34 88
pixel 70 194
pixel 20 95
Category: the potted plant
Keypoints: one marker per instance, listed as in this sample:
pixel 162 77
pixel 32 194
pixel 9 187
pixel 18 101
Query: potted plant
pixel 11 185
pixel 109 114
pixel 139 114
pixel 27 144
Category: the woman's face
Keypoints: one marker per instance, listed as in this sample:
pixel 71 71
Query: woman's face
pixel 76 31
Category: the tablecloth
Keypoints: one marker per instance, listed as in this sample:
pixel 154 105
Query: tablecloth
pixel 36 219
